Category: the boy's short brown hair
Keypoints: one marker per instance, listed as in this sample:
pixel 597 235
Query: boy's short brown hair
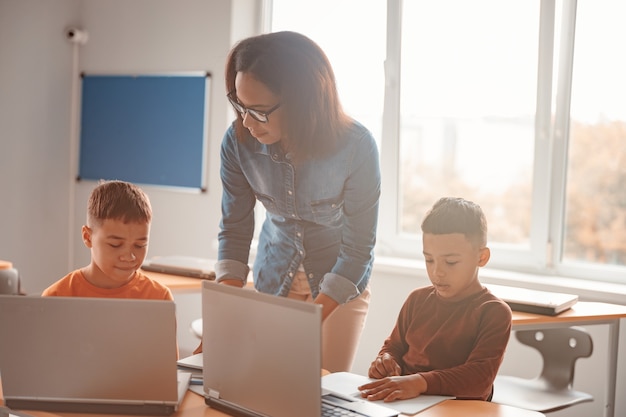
pixel 118 200
pixel 457 215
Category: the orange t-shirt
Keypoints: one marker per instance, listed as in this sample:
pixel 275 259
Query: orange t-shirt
pixel 75 284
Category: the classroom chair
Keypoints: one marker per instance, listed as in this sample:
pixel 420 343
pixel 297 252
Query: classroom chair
pixel 552 390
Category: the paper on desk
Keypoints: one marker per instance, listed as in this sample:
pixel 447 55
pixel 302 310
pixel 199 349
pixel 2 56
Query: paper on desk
pixel 193 361
pixel 192 364
pixel 346 383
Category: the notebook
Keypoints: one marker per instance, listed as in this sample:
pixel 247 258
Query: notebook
pixel 346 383
pixel 534 301
pixel 262 356
pixel 193 365
pixel 188 266
pixel 90 355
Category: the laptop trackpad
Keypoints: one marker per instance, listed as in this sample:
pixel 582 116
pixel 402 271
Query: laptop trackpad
pixel 358 405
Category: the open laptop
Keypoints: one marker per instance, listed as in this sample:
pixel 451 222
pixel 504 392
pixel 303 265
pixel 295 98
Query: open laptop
pixel 534 301
pixel 187 266
pixel 262 356
pixel 90 355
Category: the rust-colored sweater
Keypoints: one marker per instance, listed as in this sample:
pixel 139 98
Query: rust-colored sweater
pixel 457 346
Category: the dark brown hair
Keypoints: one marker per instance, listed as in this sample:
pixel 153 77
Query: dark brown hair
pixel 296 69
pixel 457 215
pixel 118 200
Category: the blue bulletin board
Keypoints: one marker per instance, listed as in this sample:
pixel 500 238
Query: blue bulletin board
pixel 145 129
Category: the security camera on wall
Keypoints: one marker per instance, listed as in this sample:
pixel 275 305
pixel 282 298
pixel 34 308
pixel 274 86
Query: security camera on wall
pixel 76 35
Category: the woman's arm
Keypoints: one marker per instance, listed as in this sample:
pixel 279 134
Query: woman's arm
pixel 237 222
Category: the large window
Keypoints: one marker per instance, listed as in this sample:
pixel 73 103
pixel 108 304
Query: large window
pixel 494 101
pixel 467 111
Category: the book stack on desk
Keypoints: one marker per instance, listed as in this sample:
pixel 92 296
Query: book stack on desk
pixel 534 301
pixel 192 364
pixel 186 266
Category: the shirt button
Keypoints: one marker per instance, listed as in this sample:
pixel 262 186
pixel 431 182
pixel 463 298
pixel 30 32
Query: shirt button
pixel 301 252
pixel 298 234
pixel 293 215
pixel 289 192
pixel 291 274
pixel 311 276
pixel 333 205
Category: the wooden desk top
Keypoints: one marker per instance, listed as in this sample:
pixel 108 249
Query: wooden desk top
pixel 193 406
pixel 580 312
pixel 193 403
pixel 175 282
pixel 475 408
pixel 179 282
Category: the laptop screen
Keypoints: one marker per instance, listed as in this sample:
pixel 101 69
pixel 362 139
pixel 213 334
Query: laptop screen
pixel 72 353
pixel 261 352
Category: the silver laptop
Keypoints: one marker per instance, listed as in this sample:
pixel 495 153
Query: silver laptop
pixel 187 266
pixel 262 357
pixel 90 355
pixel 534 301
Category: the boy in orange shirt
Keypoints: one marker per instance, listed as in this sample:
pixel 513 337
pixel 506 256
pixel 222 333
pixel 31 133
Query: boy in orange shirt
pixel 450 337
pixel 117 232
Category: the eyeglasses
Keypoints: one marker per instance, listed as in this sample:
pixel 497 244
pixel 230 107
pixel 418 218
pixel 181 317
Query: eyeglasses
pixel 258 115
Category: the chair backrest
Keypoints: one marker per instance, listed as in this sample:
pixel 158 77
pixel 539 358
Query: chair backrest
pixel 560 348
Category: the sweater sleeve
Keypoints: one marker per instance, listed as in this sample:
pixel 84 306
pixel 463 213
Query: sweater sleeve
pixel 474 378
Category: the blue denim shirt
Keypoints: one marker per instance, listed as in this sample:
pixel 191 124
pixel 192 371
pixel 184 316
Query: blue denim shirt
pixel 321 213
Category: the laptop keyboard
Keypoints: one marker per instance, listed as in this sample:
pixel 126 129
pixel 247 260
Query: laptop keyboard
pixel 331 410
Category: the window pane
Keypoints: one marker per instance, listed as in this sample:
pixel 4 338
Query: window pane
pixel 468 93
pixel 353 37
pixel 595 224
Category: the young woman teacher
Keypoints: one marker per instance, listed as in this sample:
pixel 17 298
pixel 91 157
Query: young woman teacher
pixel 316 172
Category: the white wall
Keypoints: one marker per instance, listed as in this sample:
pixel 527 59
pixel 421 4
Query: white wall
pixel 42 207
pixel 35 181
pixel 146 36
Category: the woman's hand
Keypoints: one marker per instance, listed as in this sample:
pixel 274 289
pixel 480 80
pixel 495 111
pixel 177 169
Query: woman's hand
pixel 328 304
pixel 394 388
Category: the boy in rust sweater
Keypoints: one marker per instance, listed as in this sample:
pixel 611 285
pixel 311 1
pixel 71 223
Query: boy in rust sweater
pixel 450 337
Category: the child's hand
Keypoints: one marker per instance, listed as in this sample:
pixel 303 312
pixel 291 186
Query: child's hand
pixel 384 366
pixel 394 388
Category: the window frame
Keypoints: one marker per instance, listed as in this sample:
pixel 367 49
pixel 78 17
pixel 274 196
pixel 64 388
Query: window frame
pixel 554 86
pixel 391 242
pixel 542 258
